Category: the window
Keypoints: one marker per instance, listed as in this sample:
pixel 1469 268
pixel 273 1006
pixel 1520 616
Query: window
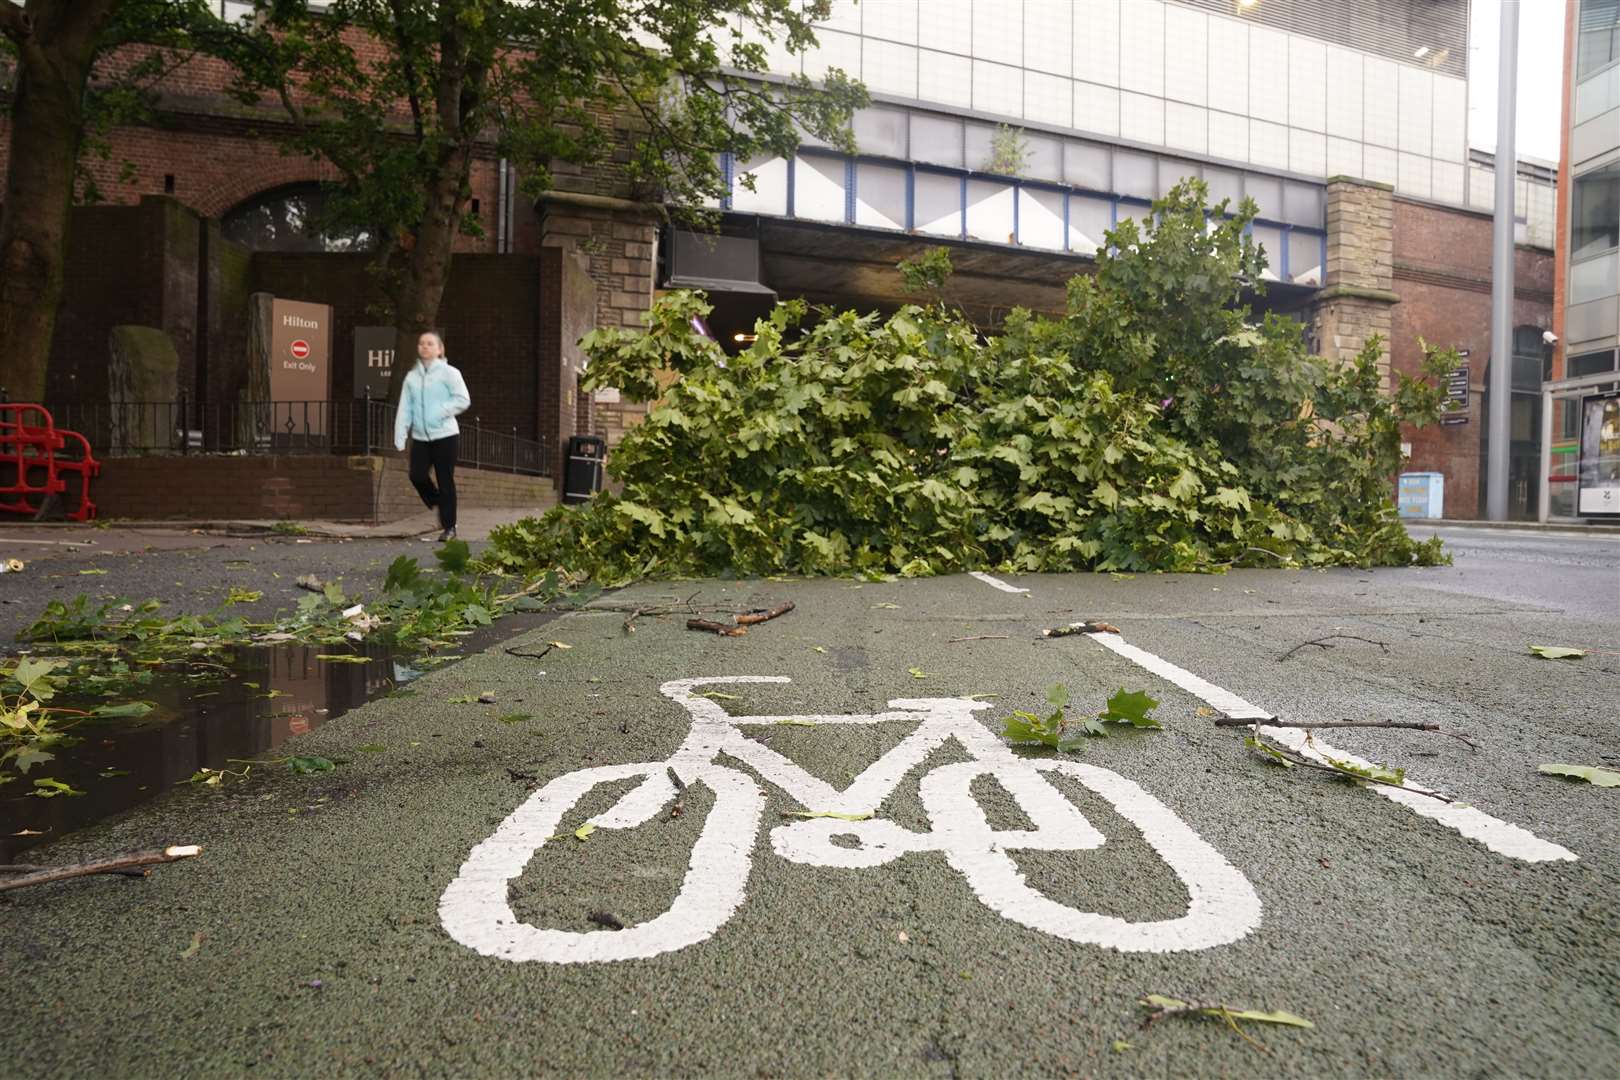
pixel 1590 364
pixel 1596 224
pixel 1599 42
pixel 295 218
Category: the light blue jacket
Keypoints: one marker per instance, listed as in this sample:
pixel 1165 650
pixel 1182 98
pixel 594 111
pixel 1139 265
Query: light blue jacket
pixel 429 403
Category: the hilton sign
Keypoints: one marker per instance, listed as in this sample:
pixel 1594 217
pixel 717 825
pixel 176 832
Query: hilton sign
pixel 301 364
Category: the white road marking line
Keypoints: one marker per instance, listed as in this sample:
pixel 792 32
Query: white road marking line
pixel 1499 836
pixel 995 582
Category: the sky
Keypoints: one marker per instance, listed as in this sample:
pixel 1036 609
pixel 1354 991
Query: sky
pixel 1540 79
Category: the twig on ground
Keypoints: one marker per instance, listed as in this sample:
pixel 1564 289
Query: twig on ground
pixel 520 654
pixel 759 615
pixel 711 627
pixel 630 620
pixel 977 637
pixel 48 874
pixel 1081 628
pixel 1321 643
pixel 1296 758
pixel 1414 725
pixel 28 868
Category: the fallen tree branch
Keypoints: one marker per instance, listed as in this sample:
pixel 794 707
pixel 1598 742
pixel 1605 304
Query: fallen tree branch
pixel 759 615
pixel 710 627
pixel 1081 628
pixel 1321 643
pixel 48 874
pixel 630 620
pixel 1294 757
pixel 977 637
pixel 1414 725
pixel 32 868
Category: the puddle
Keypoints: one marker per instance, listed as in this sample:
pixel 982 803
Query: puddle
pixel 121 764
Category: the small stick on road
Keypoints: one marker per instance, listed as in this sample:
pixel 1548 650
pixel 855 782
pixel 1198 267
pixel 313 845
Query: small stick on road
pixel 760 615
pixel 114 863
pixel 1081 628
pixel 1414 725
pixel 977 637
pixel 29 868
pixel 710 627
pixel 1321 643
pixel 630 620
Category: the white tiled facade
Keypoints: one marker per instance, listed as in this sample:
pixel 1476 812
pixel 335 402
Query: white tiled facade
pixel 1170 76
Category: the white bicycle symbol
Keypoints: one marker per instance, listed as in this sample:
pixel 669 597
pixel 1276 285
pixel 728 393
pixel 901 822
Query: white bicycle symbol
pixel 475 910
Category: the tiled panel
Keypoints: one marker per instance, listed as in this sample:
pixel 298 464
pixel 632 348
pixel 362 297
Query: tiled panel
pixel 1413 176
pixel 998 31
pixel 1089 220
pixel 880 196
pixel 938 204
pixel 845 16
pixel 1096 41
pixel 1049 36
pixel 945 79
pixel 1450 119
pixel 1141 47
pixel 1268 75
pixel 1307 84
pixel 818 188
pixel 936 139
pixel 998 88
pixel 1096 109
pixel 891 20
pixel 1417 111
pixel 1307 152
pixel 1380 89
pixel 1044 160
pixel 1141 118
pixel 1481 189
pixel 1040 218
pixel 834 50
pixel 1379 164
pixel 1186 55
pixel 1343 157
pixel 1344 85
pixel 1270 240
pixel 1268 144
pixel 1229 65
pixel 770 187
pixel 990 211
pixel 1048 99
pixel 946 25
pixel 1229 136
pixel 1088 166
pixel 1186 127
pixel 777 58
pixel 1447 184
pixel 882 132
pixel 888 68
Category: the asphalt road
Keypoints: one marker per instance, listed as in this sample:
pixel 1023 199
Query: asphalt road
pixel 976 926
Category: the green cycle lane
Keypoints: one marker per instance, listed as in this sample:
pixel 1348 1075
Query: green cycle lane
pixel 973 926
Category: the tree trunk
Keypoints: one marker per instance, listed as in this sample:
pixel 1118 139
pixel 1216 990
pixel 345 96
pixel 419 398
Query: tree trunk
pixel 426 265
pixel 56 47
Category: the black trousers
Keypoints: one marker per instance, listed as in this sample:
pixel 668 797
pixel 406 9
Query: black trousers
pixel 440 455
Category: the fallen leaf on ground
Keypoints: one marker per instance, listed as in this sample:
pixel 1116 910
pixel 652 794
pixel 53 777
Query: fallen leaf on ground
pixel 1557 652
pixel 1590 773
pixel 826 814
pixel 195 947
pixel 583 831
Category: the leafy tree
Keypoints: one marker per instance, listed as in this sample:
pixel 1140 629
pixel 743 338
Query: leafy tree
pixel 539 82
pixel 1105 439
pixel 51 48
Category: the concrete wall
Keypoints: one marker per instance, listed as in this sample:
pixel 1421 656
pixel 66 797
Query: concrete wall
pixel 313 487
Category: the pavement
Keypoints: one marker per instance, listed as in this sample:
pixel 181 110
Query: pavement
pixel 439 904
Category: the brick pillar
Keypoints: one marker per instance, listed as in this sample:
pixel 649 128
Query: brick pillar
pixel 1357 300
pixel 617 238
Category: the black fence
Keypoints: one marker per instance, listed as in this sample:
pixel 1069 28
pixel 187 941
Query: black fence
pixel 364 426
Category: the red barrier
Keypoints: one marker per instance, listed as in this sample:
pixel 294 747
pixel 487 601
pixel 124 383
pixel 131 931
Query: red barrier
pixel 36 457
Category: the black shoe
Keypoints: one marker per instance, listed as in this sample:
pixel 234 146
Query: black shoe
pixel 447 535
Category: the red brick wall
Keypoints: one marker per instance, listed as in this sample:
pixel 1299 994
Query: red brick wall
pixel 295 488
pixel 1443 277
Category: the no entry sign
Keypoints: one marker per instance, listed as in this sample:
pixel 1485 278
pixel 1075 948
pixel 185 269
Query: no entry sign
pixel 300 349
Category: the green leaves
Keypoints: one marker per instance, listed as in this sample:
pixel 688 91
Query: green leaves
pixel 1131 707
pixel 50 788
pixel 1557 652
pixel 310 764
pixel 1168 1005
pixel 454 556
pixel 127 711
pixel 403 573
pixel 1590 773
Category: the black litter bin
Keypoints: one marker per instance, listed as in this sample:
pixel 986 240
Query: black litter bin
pixel 582 475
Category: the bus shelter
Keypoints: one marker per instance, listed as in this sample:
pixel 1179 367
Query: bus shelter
pixel 1580 449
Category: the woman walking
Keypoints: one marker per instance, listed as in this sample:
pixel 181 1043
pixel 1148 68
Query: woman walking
pixel 434 394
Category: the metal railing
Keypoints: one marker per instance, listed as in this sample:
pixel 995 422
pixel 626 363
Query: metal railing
pixel 361 426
